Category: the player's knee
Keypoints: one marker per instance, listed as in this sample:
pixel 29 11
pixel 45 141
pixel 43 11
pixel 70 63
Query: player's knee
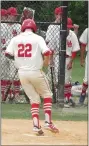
pixel 48 94
pixel 35 100
pixel 68 80
pixel 85 81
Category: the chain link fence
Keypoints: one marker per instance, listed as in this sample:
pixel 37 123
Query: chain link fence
pixel 11 88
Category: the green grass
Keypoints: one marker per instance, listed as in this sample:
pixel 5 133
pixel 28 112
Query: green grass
pixel 78 71
pixel 22 111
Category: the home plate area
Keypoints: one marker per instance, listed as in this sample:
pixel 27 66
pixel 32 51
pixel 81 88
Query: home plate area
pixel 19 132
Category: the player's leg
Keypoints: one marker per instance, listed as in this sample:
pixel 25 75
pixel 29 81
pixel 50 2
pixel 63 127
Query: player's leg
pixel 16 86
pixel 67 88
pixel 16 81
pixel 3 87
pixel 42 87
pixel 34 101
pixel 84 85
pixel 4 70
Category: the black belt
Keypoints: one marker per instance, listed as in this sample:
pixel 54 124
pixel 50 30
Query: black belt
pixel 3 49
pixel 67 56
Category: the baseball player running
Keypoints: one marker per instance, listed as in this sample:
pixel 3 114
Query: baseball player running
pixel 84 47
pixel 31 54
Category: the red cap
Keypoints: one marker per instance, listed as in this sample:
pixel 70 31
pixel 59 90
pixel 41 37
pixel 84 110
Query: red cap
pixel 3 12
pixel 12 11
pixel 69 23
pixel 58 10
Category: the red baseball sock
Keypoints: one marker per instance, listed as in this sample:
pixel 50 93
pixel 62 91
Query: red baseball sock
pixel 9 87
pixel 3 89
pixel 67 91
pixel 16 84
pixel 35 114
pixel 47 108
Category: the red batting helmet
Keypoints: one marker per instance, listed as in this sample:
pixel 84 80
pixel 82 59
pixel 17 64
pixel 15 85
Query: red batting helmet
pixel 28 23
pixel 69 23
pixel 58 10
pixel 12 11
pixel 3 12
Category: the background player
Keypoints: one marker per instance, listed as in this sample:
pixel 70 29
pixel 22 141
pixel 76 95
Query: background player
pixel 13 30
pixel 4 60
pixel 72 46
pixel 84 47
pixel 27 49
pixel 53 40
pixel 3 14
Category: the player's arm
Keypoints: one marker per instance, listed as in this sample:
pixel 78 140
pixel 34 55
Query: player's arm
pixel 82 52
pixel 76 27
pixel 75 49
pixel 10 50
pixel 83 40
pixel 48 35
pixel 46 52
pixel 69 66
pixel 50 42
pixel 9 56
pixel 46 60
pixel 73 56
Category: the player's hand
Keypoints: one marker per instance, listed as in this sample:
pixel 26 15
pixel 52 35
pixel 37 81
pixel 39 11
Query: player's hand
pixel 69 65
pixel 82 63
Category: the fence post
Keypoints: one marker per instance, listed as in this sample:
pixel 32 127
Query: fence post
pixel 62 56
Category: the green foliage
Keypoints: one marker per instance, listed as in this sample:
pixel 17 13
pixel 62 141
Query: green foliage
pixel 78 11
pixel 44 10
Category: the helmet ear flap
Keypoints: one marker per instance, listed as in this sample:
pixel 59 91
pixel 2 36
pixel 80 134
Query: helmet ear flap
pixel 29 24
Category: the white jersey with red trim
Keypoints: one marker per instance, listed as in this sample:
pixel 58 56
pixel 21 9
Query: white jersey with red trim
pixel 84 38
pixel 53 39
pixel 3 35
pixel 53 36
pixel 13 30
pixel 72 44
pixel 27 48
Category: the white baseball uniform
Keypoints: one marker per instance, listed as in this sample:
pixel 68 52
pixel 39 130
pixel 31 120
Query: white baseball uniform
pixel 4 60
pixel 72 45
pixel 53 36
pixel 12 31
pixel 27 48
pixel 54 43
pixel 84 40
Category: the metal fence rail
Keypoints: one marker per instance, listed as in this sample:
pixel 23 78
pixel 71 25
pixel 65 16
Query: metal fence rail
pixel 10 81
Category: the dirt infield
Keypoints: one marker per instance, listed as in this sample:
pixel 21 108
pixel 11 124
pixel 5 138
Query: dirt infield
pixel 19 132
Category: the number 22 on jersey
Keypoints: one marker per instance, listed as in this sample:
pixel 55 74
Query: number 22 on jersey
pixel 24 50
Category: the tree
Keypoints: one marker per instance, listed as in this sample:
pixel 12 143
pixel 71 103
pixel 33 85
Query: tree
pixel 44 10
